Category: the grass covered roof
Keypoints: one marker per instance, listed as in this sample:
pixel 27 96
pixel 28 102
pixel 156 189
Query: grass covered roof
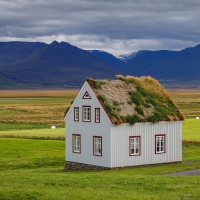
pixel 131 99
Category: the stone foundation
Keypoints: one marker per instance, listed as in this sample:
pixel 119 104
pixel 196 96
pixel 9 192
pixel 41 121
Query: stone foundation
pixel 82 166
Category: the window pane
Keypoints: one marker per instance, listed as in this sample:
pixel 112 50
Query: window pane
pixel 134 145
pixel 97 115
pixel 76 114
pixel 77 142
pixel 97 146
pixel 86 113
pixel 160 144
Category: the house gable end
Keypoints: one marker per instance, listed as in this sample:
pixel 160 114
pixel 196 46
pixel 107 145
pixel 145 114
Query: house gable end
pixel 87 97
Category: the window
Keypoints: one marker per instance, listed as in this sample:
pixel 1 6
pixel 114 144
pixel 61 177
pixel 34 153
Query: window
pixel 134 145
pixel 86 113
pixel 160 144
pixel 76 143
pixel 76 114
pixel 97 146
pixel 97 115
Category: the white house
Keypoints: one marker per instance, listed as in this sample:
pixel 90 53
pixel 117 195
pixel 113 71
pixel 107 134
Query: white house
pixel 125 122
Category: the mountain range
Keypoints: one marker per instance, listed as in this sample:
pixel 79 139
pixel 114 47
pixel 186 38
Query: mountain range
pixel 166 66
pixel 62 64
pixel 56 64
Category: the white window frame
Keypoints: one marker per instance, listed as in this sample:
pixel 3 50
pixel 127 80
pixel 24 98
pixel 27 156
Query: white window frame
pixel 76 113
pixel 76 143
pixel 97 115
pixel 86 113
pixel 134 145
pixel 160 143
pixel 97 146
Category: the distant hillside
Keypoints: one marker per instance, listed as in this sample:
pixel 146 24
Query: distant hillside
pixel 56 64
pixel 181 65
pixel 107 57
pixel 11 52
pixel 145 62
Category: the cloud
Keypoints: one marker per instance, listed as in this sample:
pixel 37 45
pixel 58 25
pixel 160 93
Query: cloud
pixel 115 26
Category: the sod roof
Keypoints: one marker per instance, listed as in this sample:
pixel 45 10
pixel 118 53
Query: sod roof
pixel 132 99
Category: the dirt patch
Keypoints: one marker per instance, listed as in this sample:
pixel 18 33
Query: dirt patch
pixel 194 172
pixel 116 90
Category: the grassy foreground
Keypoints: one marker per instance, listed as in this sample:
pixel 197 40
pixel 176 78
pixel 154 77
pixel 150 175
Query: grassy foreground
pixel 34 169
pixel 39 174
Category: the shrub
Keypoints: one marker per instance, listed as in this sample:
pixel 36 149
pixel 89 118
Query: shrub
pixel 94 84
pixel 152 119
pixel 101 97
pixel 139 110
pixel 116 118
pixel 141 91
pixel 129 102
pixel 108 107
pixel 146 105
pixel 151 101
pixel 115 103
pixel 135 98
pixel 118 109
pixel 132 119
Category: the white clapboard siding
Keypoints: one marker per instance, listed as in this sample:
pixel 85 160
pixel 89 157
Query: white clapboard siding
pixel 87 130
pixel 115 139
pixel 147 131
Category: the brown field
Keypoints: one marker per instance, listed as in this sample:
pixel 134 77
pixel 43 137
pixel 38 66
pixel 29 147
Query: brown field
pixel 48 106
pixel 35 106
pixel 38 93
pixel 188 101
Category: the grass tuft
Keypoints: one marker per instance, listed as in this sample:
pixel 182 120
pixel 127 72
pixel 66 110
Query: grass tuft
pixel 139 110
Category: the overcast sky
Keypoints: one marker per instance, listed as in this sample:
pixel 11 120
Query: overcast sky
pixel 116 26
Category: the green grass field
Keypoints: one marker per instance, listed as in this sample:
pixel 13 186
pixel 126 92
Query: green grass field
pixel 190 129
pixel 35 133
pixel 33 168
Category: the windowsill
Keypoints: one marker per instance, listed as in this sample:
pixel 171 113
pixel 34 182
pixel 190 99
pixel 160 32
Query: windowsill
pixel 160 152
pixel 76 152
pixel 97 154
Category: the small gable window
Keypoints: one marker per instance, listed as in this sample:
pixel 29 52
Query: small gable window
pixel 97 146
pixel 86 95
pixel 97 115
pixel 134 145
pixel 76 143
pixel 76 114
pixel 160 144
pixel 86 113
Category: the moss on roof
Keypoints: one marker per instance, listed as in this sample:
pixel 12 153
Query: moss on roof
pixel 131 99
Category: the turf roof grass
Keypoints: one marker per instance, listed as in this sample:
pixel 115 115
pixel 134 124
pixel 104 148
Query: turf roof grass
pixel 146 93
